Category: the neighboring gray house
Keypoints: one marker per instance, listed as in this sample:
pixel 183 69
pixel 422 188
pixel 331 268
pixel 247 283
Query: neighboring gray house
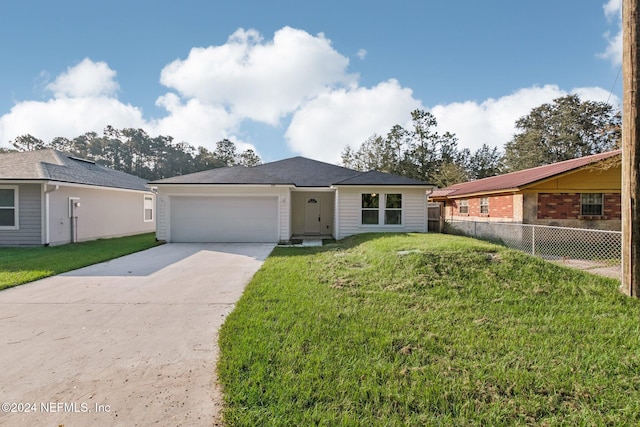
pixel 290 198
pixel 49 198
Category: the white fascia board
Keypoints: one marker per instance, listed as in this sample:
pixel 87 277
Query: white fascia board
pixel 385 186
pixel 314 189
pixel 21 181
pixel 224 185
pixel 96 187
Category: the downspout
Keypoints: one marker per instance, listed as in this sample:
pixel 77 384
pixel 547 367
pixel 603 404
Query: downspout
pixel 46 212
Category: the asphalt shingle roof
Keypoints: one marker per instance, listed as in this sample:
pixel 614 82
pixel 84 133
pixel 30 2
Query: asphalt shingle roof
pixel 53 165
pixel 305 172
pixel 379 178
pixel 298 171
pixel 228 175
pixel 518 179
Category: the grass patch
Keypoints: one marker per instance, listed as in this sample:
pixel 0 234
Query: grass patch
pixel 428 330
pixel 22 265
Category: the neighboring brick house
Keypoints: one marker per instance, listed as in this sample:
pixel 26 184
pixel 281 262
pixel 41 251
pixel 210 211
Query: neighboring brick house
pixel 581 193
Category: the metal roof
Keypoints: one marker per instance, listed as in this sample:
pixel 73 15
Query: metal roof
pixel 519 179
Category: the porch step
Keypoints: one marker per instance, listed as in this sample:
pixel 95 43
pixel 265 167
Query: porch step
pixel 312 242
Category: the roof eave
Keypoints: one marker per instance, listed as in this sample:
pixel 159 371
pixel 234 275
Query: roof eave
pixel 223 184
pixel 480 193
pixel 384 185
pixel 24 180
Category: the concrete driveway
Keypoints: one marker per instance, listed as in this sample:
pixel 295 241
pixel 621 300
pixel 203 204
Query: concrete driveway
pixel 129 342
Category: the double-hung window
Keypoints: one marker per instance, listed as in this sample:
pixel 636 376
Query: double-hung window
pixel 463 208
pixel 8 208
pixel 371 209
pixel 393 209
pixel 381 209
pixel 148 208
pixel 591 204
pixel 484 206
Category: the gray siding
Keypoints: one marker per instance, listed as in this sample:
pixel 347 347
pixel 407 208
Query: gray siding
pixel 29 232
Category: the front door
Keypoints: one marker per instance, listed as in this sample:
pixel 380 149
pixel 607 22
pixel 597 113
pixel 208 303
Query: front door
pixel 312 215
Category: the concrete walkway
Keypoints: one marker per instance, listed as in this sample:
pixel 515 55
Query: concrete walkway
pixel 130 342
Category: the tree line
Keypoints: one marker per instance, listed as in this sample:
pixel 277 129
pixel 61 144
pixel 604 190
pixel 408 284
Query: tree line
pixel 564 129
pixel 135 152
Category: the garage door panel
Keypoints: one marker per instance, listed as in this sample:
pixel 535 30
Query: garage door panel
pixel 224 219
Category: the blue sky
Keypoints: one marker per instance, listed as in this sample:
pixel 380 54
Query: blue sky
pixel 298 77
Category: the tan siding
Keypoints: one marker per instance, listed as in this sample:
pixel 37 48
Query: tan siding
pixel 284 209
pixel 161 217
pixel 414 211
pixel 588 179
pixel 103 213
pixel 326 199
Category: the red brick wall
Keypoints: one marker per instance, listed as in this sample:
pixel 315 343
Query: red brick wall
pixel 499 207
pixel 567 206
pixel 612 206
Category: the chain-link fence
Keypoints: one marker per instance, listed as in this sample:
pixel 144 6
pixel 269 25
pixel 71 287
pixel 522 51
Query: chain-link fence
pixel 553 243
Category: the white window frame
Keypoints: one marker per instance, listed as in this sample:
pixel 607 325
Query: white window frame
pixel 583 204
pixel 15 207
pixel 147 204
pixel 484 206
pixel 386 209
pixel 376 209
pixel 382 209
pixel 464 203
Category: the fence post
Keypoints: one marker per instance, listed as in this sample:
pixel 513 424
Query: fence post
pixel 475 229
pixel 533 240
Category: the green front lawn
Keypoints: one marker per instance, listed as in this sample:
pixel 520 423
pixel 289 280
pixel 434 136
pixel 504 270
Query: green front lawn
pixel 22 265
pixel 430 329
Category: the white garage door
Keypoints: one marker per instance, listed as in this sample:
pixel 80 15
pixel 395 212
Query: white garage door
pixel 224 219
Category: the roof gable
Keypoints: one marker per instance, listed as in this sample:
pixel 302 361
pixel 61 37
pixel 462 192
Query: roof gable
pixel 53 165
pixel 521 179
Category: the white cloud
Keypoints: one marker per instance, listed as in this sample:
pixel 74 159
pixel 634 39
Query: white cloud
pixel 493 120
pixel 598 94
pixel 613 52
pixel 613 9
pixel 262 81
pixel 194 121
pixel 85 79
pixel 218 88
pixel 83 101
pixel 67 117
pixel 362 53
pixel 324 126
